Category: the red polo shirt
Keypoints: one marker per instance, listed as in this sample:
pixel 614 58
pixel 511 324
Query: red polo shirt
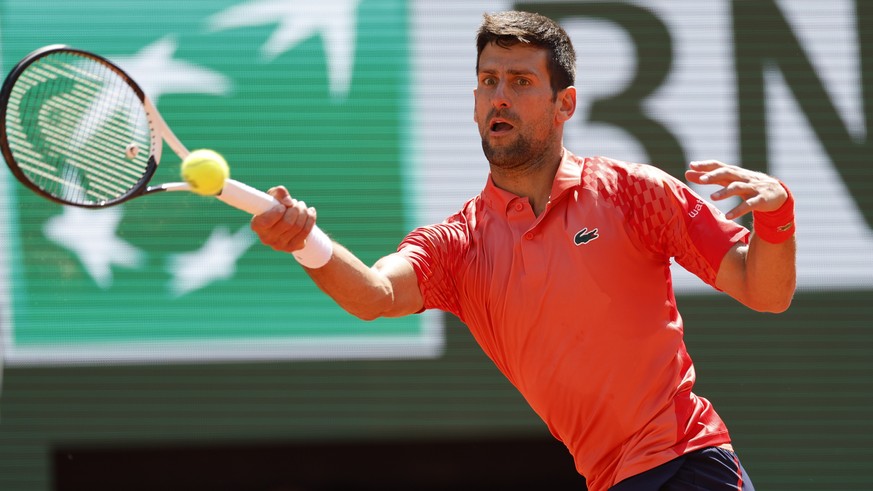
pixel 576 306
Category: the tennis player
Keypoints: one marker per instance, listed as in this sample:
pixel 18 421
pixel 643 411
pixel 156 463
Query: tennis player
pixel 560 268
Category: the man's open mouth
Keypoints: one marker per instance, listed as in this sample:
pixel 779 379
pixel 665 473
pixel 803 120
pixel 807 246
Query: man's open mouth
pixel 500 126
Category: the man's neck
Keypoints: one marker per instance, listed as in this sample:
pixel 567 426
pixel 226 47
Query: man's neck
pixel 534 182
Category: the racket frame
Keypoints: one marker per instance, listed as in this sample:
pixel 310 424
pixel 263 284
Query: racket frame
pixel 156 125
pixel 234 193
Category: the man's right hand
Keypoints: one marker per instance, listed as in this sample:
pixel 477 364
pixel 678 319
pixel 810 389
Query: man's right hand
pixel 285 226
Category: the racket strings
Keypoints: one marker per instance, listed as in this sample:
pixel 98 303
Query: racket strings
pixel 77 130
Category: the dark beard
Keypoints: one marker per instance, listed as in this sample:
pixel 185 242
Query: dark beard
pixel 515 156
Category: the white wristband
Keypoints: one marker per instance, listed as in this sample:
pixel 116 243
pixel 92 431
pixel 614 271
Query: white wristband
pixel 317 251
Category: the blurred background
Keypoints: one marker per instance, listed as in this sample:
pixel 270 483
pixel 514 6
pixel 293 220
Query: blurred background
pixel 187 356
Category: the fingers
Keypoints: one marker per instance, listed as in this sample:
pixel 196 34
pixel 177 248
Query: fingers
pixel 746 206
pixel 738 211
pixel 299 220
pixel 713 172
pixel 742 190
pixel 285 226
pixel 757 191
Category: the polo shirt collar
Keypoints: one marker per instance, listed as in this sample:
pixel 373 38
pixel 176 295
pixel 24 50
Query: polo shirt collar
pixel 569 175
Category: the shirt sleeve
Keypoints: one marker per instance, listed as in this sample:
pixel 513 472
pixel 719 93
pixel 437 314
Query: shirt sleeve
pixel 675 221
pixel 435 252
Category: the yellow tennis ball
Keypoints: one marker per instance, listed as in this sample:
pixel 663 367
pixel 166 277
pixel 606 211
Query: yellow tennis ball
pixel 205 171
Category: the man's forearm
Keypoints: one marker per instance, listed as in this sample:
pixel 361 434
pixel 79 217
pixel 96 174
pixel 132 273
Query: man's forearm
pixel 771 274
pixel 353 285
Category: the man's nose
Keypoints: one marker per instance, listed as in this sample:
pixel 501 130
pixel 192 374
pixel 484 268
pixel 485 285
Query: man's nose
pixel 500 97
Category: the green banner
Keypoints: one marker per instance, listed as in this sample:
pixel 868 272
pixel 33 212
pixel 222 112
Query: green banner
pixel 313 96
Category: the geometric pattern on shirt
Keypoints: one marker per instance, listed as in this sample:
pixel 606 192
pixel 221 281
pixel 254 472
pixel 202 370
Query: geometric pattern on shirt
pixel 653 206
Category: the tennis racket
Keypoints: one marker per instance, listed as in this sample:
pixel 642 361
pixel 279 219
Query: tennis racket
pixel 76 129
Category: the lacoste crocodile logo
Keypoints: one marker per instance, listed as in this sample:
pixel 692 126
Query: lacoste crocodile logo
pixel 584 236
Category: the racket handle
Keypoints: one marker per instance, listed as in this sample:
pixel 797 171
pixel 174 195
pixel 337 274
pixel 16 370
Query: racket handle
pixel 246 198
pixel 318 249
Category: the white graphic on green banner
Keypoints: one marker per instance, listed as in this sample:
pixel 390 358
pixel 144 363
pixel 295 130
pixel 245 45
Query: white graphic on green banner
pixel 90 235
pixel 311 95
pixel 297 21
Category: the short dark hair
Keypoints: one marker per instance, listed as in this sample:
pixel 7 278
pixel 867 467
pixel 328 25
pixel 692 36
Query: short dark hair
pixel 512 27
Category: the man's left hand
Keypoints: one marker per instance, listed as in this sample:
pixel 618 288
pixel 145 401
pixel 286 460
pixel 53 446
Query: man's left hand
pixel 758 191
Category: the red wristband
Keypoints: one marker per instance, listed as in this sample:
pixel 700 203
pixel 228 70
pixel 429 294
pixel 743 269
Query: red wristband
pixel 776 226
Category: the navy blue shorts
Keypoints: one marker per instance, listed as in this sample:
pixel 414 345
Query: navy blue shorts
pixel 709 469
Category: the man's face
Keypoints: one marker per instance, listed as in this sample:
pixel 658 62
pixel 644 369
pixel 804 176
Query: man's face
pixel 515 109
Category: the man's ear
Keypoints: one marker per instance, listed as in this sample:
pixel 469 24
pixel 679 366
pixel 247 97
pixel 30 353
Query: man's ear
pixel 566 104
pixel 475 117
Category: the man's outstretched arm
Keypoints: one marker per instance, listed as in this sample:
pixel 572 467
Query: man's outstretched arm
pixel 763 274
pixel 388 289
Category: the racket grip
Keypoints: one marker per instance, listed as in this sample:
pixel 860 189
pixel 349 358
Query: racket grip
pixel 318 249
pixel 246 198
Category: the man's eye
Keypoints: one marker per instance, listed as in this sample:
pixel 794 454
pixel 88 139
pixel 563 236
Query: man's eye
pixel 523 82
pixel 488 81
